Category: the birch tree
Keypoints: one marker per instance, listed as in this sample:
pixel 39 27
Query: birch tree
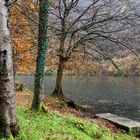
pixel 8 124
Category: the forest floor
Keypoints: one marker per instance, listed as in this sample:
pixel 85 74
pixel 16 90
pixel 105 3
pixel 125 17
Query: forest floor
pixel 63 121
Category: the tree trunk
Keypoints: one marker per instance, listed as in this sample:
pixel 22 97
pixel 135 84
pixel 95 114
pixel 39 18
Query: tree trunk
pixel 8 124
pixel 41 57
pixel 58 91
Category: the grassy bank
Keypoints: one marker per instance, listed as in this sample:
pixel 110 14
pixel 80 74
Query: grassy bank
pixel 54 126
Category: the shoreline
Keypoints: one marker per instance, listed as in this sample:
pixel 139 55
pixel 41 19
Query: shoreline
pixel 62 106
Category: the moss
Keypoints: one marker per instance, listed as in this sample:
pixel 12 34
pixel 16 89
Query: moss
pixel 11 137
pixel 8 136
pixel 42 108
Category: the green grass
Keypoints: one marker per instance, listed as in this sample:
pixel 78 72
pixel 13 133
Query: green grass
pixel 54 126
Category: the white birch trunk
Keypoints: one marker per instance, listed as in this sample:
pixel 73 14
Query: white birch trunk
pixel 7 96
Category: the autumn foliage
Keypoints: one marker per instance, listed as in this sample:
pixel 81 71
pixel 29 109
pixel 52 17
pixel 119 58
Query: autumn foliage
pixel 23 39
pixel 23 24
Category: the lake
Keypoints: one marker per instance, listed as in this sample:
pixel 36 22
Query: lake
pixel 102 94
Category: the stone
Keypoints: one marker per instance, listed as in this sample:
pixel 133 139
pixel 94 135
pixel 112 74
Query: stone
pixel 19 86
pixel 124 123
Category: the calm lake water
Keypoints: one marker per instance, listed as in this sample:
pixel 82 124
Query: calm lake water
pixel 102 94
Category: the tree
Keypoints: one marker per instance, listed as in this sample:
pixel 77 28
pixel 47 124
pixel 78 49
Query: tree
pixel 89 29
pixel 8 124
pixel 41 57
pixel 24 36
